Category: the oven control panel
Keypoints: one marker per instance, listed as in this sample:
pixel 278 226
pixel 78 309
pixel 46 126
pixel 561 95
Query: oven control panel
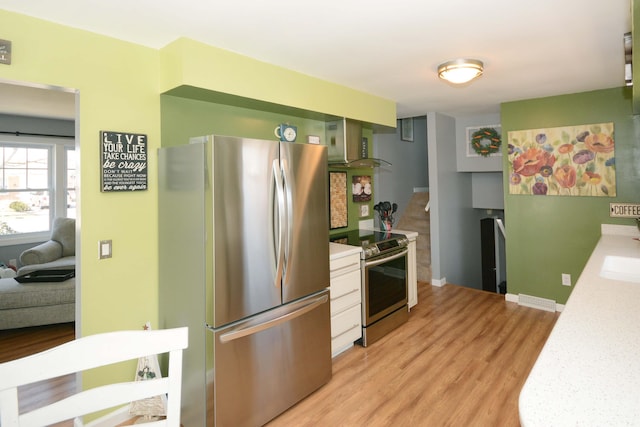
pixel 384 246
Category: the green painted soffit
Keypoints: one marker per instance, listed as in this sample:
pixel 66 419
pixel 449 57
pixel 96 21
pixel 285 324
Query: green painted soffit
pixel 199 94
pixel 198 71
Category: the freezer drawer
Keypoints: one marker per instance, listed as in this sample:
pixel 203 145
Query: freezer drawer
pixel 265 365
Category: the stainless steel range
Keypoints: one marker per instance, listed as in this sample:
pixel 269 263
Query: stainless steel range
pixel 384 280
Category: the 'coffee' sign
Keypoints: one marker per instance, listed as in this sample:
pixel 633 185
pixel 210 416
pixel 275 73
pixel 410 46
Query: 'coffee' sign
pixel 124 161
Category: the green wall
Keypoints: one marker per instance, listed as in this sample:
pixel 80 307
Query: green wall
pixel 119 87
pixel 187 64
pixel 551 235
pixel 635 53
pixel 354 208
pixel 183 118
pixel 354 217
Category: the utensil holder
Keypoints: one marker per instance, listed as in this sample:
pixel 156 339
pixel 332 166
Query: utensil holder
pixel 386 225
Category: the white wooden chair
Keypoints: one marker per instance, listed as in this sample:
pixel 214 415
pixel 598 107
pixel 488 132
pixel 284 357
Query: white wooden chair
pixel 91 352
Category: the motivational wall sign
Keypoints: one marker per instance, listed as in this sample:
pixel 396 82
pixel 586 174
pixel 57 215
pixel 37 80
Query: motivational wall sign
pixel 124 161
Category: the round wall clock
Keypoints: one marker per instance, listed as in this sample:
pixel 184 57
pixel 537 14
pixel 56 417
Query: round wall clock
pixel 287 133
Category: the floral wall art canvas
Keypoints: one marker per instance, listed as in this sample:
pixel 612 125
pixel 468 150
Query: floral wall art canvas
pixel 563 161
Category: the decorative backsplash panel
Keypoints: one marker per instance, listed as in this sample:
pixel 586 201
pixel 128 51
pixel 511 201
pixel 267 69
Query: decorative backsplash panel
pixel 338 199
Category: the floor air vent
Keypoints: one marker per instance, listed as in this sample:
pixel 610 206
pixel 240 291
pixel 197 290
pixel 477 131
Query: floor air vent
pixel 537 302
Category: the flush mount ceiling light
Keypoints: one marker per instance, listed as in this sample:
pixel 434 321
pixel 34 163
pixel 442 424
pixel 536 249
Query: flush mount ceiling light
pixel 460 71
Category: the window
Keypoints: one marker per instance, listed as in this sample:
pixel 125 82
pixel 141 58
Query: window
pixel 70 181
pixel 37 184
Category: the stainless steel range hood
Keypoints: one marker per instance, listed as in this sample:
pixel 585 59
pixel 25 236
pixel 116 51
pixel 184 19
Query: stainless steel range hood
pixel 347 147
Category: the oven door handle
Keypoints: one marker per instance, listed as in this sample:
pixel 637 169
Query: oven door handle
pixel 386 259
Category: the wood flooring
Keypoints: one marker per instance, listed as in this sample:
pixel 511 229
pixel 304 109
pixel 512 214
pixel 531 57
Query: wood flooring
pixel 460 360
pixel 16 343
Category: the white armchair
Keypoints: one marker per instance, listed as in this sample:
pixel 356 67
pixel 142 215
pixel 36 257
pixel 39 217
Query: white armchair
pixel 58 252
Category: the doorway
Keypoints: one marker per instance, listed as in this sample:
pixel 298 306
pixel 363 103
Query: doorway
pixel 34 115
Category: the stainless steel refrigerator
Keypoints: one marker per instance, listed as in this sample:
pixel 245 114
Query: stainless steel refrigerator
pixel 244 263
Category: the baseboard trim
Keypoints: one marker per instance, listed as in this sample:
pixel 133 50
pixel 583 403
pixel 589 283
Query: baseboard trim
pixel 439 282
pixel 511 298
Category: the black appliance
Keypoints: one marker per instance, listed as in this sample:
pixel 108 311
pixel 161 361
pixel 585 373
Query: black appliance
pixel 492 256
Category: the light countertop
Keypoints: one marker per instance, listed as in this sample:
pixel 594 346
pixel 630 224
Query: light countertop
pixel 588 372
pixel 338 250
pixel 411 235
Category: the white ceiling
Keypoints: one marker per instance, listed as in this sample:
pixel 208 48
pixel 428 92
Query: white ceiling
pixel 390 49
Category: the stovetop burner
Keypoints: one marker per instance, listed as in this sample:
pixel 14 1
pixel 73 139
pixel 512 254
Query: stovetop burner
pixel 373 243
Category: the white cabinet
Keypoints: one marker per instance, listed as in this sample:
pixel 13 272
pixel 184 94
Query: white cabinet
pixel 346 297
pixel 412 276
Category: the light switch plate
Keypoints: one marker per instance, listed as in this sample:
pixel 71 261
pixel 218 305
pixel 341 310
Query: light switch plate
pixel 5 52
pixel 104 249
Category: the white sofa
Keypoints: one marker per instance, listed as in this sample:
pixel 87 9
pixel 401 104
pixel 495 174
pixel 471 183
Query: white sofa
pixel 42 303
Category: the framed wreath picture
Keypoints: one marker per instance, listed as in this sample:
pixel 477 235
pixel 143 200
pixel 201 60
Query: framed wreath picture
pixel 484 141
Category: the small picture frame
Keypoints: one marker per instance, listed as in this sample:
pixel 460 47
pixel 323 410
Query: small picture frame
pixel 361 188
pixel 406 129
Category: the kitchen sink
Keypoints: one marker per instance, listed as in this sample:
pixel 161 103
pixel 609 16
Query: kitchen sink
pixel 621 268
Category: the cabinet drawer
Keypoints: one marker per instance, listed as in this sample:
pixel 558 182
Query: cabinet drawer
pixel 345 284
pixel 345 301
pixel 346 328
pixel 344 265
pixel 345 321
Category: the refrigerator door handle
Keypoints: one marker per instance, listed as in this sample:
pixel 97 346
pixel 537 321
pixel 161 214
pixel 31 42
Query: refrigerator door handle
pixel 288 215
pixel 251 330
pixel 277 177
